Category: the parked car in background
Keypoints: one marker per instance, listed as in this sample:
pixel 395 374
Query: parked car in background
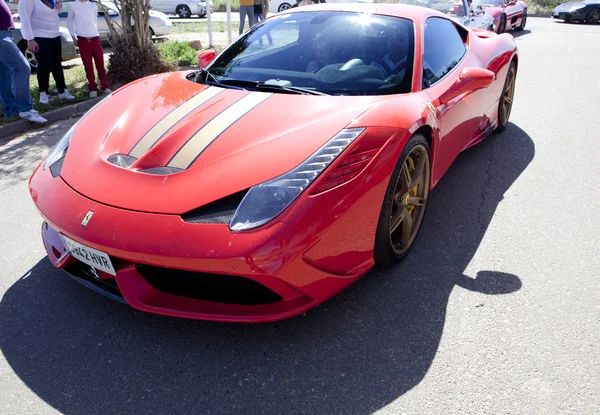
pixel 182 8
pixel 507 14
pixel 159 24
pixel 13 5
pixel 587 11
pixel 69 50
pixel 459 11
pixel 276 6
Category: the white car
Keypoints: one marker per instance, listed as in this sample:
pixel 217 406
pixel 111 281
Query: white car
pixel 159 24
pixel 182 8
pixel 276 6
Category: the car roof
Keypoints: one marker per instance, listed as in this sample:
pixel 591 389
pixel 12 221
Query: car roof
pixel 414 13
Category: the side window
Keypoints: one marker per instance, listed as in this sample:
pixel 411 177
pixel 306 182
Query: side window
pixel 443 48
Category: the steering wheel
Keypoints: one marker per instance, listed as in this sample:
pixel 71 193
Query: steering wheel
pixel 367 59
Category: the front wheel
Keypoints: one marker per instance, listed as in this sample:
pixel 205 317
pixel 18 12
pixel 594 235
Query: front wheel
pixel 593 16
pixel 184 12
pixel 283 6
pixel 506 99
pixel 404 204
pixel 502 24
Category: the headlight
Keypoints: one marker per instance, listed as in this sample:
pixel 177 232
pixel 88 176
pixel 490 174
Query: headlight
pixel 58 152
pixel 56 155
pixel 267 200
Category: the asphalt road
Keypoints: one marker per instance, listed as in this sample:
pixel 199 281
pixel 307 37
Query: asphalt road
pixel 495 311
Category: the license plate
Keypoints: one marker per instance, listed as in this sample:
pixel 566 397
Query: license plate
pixel 92 257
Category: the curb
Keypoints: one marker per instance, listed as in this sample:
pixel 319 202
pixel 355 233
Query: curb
pixel 21 125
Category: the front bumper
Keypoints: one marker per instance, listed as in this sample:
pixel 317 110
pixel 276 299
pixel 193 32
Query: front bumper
pixel 167 266
pixel 569 16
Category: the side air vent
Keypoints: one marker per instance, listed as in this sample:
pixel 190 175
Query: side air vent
pixel 161 171
pixel 121 160
pixel 219 211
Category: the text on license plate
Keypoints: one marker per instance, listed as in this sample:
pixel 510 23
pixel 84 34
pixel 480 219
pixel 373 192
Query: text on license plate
pixel 90 256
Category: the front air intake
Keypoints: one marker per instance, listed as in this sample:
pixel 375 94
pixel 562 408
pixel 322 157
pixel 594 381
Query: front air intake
pixel 219 288
pixel 219 211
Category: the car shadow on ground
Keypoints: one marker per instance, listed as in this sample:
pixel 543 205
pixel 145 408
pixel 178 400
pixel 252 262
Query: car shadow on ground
pixel 518 33
pixel 360 351
pixel 17 156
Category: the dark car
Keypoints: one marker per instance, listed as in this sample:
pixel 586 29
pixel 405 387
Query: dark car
pixel 587 11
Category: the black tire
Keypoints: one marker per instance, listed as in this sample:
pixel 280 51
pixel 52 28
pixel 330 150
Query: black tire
pixel 183 11
pixel 150 34
pixel 593 16
pixel 503 121
pixel 502 25
pixel 29 55
pixel 384 252
pixel 283 6
pixel 523 22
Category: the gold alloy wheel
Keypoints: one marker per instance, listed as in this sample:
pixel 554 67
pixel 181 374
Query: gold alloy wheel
pixel 410 198
pixel 507 96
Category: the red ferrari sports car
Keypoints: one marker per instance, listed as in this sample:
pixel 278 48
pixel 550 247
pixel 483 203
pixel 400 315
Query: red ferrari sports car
pixel 507 14
pixel 279 173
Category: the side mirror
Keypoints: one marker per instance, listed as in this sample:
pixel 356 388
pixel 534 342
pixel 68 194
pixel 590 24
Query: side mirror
pixel 206 57
pixel 469 79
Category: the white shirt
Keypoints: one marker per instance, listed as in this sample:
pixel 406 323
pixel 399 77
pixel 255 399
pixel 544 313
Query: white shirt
pixel 84 16
pixel 38 20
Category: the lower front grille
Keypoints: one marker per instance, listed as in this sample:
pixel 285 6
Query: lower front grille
pixel 228 289
pixel 83 274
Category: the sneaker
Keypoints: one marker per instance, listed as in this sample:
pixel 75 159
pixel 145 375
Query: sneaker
pixel 66 95
pixel 44 98
pixel 33 116
pixel 107 90
pixel 93 94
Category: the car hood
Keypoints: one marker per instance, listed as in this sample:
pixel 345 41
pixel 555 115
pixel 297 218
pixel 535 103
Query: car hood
pixel 567 6
pixel 164 144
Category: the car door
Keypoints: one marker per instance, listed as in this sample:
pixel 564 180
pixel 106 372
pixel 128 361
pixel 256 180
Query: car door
pixel 512 13
pixel 158 5
pixel 445 54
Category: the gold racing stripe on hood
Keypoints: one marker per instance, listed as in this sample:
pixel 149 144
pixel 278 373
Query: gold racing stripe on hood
pixel 192 149
pixel 172 118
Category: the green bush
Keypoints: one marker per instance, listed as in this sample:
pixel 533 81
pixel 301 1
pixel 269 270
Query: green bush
pixel 180 53
pixel 221 5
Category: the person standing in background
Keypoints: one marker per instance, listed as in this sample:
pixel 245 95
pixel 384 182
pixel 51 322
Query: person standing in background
pixel 261 8
pixel 82 22
pixel 246 9
pixel 14 73
pixel 40 27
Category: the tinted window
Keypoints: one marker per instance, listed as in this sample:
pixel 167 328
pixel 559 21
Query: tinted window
pixel 443 48
pixel 329 51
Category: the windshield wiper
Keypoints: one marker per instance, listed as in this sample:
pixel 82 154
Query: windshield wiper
pixel 271 87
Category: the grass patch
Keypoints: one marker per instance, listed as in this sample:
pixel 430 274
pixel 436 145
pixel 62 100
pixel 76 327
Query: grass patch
pixel 76 83
pixel 221 5
pixel 202 27
pixel 179 53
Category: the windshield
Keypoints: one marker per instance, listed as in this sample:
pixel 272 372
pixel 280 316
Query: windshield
pixel 341 53
pixel 495 3
pixel 455 8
